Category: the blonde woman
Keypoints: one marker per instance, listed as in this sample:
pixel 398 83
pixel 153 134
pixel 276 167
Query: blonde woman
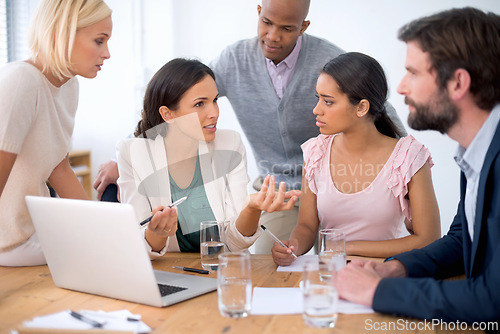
pixel 38 102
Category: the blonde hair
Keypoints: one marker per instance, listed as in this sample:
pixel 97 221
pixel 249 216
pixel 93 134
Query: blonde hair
pixel 53 28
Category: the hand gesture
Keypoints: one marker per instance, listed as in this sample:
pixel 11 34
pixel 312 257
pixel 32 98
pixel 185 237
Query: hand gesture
pixel 270 200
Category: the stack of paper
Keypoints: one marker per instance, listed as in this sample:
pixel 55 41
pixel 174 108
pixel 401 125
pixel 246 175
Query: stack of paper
pixel 122 320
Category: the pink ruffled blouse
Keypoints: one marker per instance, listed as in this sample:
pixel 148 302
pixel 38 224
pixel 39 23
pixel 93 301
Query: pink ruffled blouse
pixel 378 211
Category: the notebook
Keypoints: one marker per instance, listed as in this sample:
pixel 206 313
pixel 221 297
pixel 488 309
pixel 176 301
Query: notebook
pixel 98 248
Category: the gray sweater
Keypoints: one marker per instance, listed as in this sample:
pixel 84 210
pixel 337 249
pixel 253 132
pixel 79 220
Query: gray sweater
pixel 275 128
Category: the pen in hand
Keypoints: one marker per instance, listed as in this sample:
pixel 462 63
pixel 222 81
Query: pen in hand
pixel 179 201
pixel 277 240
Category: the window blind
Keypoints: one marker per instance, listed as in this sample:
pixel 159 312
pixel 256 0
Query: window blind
pixel 14 21
pixel 3 32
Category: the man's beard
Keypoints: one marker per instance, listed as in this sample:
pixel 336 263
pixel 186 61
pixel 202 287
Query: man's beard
pixel 440 114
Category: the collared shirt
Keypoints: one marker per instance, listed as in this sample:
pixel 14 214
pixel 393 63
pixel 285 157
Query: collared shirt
pixel 471 161
pixel 281 74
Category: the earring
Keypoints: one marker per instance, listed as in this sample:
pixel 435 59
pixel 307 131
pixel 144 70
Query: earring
pixel 363 107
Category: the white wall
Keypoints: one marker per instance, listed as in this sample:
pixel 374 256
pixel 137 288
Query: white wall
pixel 148 33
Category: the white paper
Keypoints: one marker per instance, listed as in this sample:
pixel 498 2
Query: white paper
pixel 270 301
pixel 298 264
pixel 115 320
pixel 276 301
pixel 347 307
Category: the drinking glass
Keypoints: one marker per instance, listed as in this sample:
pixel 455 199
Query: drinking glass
pixel 331 249
pixel 211 243
pixel 234 284
pixel 320 297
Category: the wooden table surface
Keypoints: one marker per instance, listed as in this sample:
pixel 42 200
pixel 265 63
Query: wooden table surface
pixel 26 292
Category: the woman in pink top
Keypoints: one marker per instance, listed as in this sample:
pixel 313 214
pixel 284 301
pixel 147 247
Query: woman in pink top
pixel 359 175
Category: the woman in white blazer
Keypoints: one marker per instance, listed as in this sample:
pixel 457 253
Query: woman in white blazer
pixel 178 151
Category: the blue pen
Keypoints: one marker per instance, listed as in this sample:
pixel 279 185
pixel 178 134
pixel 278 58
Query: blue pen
pixel 193 270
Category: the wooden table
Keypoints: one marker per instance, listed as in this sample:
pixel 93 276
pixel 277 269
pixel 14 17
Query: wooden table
pixel 30 291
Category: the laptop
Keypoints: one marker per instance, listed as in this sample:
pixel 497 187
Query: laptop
pixel 98 248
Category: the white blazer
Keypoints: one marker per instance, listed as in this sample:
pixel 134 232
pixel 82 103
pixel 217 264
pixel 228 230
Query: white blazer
pixel 144 181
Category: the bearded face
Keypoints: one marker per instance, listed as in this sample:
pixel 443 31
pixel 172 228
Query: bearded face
pixel 438 114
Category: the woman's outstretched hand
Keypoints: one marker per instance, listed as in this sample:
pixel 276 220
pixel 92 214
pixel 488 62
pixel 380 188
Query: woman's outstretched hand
pixel 270 200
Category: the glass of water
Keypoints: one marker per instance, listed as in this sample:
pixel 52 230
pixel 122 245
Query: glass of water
pixel 331 249
pixel 211 243
pixel 320 297
pixel 234 284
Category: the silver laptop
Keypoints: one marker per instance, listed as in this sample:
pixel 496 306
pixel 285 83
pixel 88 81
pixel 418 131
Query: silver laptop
pixel 98 248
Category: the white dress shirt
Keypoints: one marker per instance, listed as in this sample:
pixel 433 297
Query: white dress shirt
pixel 471 162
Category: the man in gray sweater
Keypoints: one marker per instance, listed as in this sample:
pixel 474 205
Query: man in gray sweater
pixel 270 81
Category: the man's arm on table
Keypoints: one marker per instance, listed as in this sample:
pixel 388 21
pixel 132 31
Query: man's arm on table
pixel 469 300
pixel 422 295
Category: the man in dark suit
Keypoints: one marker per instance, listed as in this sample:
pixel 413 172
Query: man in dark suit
pixel 452 85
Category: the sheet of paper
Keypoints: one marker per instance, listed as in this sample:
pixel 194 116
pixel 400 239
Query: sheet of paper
pixel 298 264
pixel 270 301
pixel 346 307
pixel 115 320
pixel 276 301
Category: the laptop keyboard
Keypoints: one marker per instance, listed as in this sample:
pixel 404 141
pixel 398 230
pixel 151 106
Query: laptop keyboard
pixel 166 290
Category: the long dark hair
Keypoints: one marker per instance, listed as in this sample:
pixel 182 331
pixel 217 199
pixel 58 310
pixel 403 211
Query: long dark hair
pixel 167 87
pixel 361 77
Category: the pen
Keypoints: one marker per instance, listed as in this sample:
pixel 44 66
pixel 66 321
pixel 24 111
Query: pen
pixel 83 318
pixel 194 270
pixel 277 240
pixel 115 317
pixel 179 201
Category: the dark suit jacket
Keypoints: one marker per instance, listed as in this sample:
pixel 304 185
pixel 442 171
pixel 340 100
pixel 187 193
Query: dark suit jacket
pixel 477 298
